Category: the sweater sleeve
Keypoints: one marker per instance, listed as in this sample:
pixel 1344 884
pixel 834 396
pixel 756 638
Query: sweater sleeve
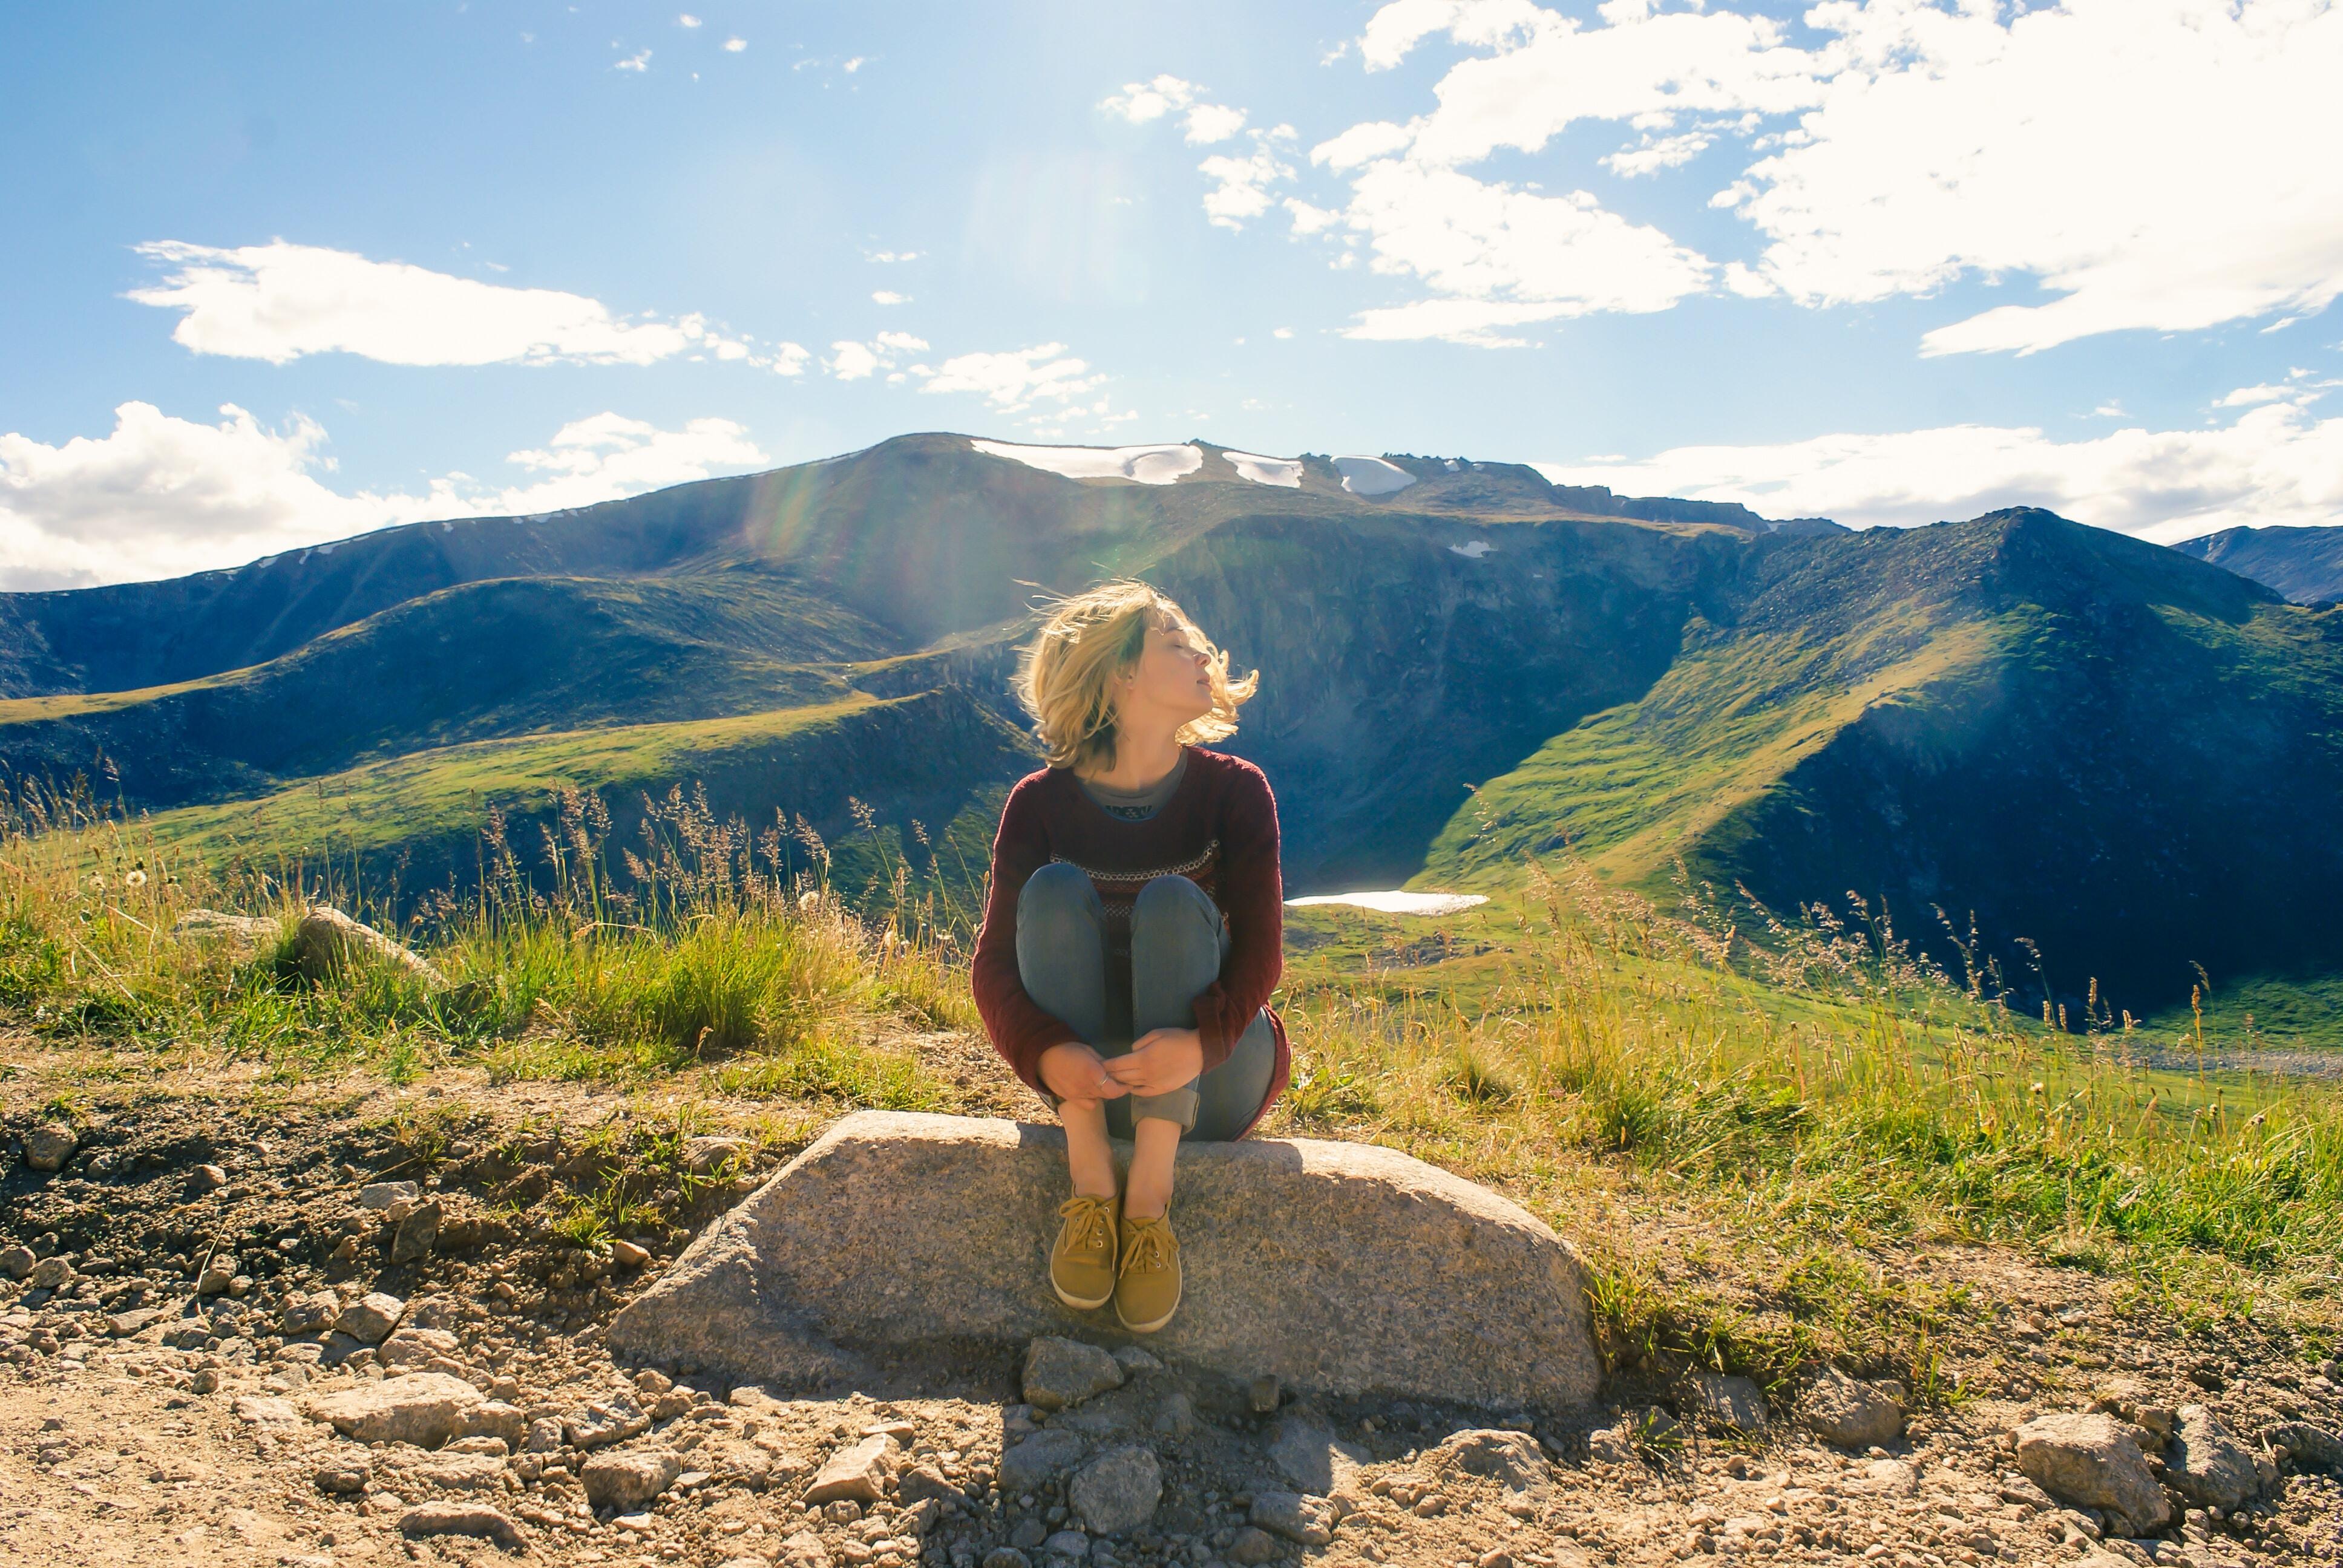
pixel 1254 894
pixel 1020 1028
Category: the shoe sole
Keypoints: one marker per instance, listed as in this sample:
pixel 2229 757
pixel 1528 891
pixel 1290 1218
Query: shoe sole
pixel 1147 1328
pixel 1077 1303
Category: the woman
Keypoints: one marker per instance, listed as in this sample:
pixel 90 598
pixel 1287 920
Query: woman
pixel 1132 931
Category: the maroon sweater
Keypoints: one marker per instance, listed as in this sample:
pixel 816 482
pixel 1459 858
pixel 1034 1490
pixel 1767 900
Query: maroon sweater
pixel 1218 829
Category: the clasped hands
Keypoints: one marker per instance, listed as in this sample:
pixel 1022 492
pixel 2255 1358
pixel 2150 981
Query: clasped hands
pixel 1158 1063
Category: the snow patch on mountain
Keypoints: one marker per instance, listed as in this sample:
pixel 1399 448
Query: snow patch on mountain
pixel 1146 465
pixel 1397 901
pixel 1283 472
pixel 1372 476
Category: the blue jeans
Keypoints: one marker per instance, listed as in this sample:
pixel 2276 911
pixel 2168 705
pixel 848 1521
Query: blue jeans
pixel 1178 938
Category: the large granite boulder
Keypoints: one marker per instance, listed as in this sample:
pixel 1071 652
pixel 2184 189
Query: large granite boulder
pixel 1343 1268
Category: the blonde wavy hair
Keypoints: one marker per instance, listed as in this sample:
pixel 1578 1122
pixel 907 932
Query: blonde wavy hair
pixel 1064 675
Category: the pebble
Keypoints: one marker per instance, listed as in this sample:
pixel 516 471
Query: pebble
pixel 1059 1372
pixel 1117 1492
pixel 383 1194
pixel 48 1147
pixel 627 1255
pixel 205 1178
pixel 461 1519
pixel 1254 1545
pixel 1006 1557
pixel 370 1318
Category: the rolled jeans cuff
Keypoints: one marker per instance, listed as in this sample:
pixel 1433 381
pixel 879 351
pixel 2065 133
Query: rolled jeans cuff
pixel 1173 1105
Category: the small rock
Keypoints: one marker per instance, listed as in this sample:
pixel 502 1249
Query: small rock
pixel 339 1477
pixel 383 1194
pixel 17 1262
pixel 1849 1413
pixel 309 1314
pixel 1730 1401
pixel 327 939
pixel 425 1409
pixel 218 1273
pixel 858 1473
pixel 1263 1393
pixel 2308 1446
pixel 1006 1557
pixel 50 1274
pixel 1029 1534
pixel 606 1422
pixel 205 1381
pixel 2205 1465
pixel 370 1318
pixel 1116 1493
pixel 239 936
pixel 417 1233
pixel 2091 1461
pixel 803 1550
pixel 1135 1362
pixel 922 1483
pixel 47 1147
pixel 702 1155
pixel 626 1482
pixel 461 1519
pixel 1512 1458
pixel 627 1255
pixel 1039 1460
pixel 205 1178
pixel 1059 1372
pixel 494 1419
pixel 1176 1416
pixel 1068 1543
pixel 1254 1545
pixel 415 1347
pixel 1307 1520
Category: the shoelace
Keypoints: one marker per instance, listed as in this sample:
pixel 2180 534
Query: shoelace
pixel 1091 1229
pixel 1150 1241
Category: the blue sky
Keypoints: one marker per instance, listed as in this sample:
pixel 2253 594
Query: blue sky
pixel 277 274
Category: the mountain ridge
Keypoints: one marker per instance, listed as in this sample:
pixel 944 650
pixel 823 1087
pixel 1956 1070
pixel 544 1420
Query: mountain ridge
pixel 2014 715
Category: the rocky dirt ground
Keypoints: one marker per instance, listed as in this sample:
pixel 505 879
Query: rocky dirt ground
pixel 352 1323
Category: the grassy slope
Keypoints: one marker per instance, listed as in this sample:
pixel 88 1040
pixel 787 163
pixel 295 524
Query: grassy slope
pixel 2100 746
pixel 503 657
pixel 418 819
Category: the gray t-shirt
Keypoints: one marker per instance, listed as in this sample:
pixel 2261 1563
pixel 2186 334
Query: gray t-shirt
pixel 1136 805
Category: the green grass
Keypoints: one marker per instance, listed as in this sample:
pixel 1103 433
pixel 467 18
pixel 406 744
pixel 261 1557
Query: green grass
pixel 1823 1101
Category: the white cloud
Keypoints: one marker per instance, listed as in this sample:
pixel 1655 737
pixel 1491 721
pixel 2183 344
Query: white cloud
pixel 159 496
pixel 2146 162
pixel 278 302
pixel 1014 379
pixel 1213 122
pixel 854 65
pixel 850 361
pixel 1241 188
pixel 888 297
pixel 687 20
pixel 1140 102
pixel 638 62
pixel 1499 256
pixel 891 255
pixel 2276 465
pixel 1653 154
pixel 790 358
pixel 734 45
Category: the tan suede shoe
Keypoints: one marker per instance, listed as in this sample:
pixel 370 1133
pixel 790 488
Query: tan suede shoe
pixel 1147 1282
pixel 1081 1263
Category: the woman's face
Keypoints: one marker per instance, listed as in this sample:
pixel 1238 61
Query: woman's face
pixel 1170 677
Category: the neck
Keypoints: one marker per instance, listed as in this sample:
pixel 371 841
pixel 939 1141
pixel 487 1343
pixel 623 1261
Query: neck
pixel 1141 758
